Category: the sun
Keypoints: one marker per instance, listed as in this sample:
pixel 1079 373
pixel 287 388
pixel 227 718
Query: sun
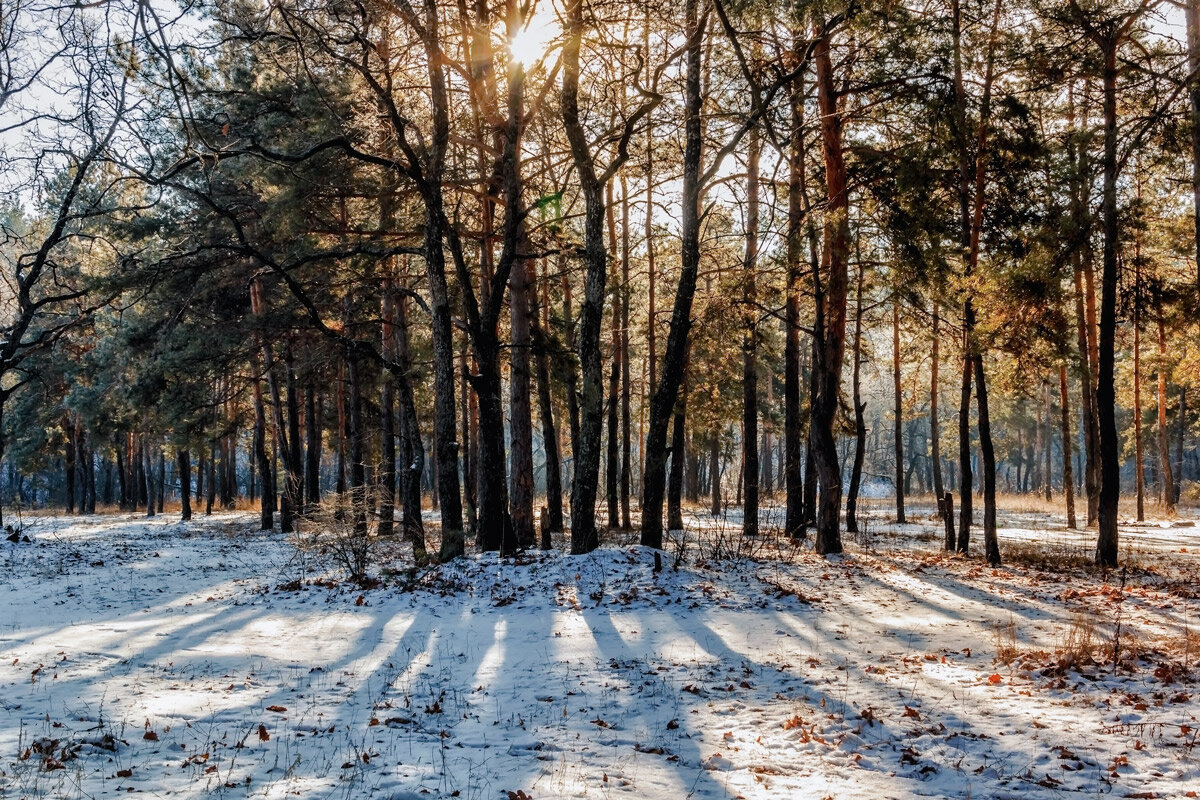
pixel 530 44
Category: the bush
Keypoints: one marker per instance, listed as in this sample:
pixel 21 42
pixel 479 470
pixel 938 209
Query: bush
pixel 344 529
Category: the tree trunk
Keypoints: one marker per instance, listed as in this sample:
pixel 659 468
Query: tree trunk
pixel 935 447
pixel 898 410
pixel 991 542
pixel 626 379
pixel 586 440
pixel 750 475
pixel 1106 400
pixel 794 440
pixel 520 406
pixel 612 470
pixel 1164 445
pixel 679 457
pixel 666 393
pixel 387 415
pixel 358 472
pixel 1138 444
pixel 148 476
pixel 444 417
pixel 1064 400
pixel 185 485
pixel 412 449
pixel 312 449
pixel 714 452
pixel 828 366
pixel 70 454
pixel 860 423
pixel 267 505
pixel 553 507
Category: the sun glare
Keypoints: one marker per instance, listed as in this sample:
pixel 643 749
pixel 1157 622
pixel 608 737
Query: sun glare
pixel 531 43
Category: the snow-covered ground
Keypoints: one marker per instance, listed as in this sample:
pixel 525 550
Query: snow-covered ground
pixel 181 660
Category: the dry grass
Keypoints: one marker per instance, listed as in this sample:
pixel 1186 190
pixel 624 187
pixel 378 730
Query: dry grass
pixel 1004 635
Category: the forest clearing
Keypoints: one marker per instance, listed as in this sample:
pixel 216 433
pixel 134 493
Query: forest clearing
pixel 208 659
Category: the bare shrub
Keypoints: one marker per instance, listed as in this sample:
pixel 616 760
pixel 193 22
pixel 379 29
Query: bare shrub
pixel 344 529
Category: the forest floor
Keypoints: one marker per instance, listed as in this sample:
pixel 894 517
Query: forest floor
pixel 207 659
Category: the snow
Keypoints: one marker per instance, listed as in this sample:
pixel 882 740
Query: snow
pixel 163 657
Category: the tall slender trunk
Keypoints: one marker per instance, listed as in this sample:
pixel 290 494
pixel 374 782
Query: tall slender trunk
pixel 1064 400
pixel 935 449
pixel 470 443
pixel 1138 443
pixel 444 417
pixel 898 410
pixel 750 475
pixel 828 367
pixel 358 472
pixel 714 453
pixel 553 508
pixel 572 380
pixel 626 379
pixel 520 403
pixel 267 505
pixel 860 423
pixel 412 449
pixel 586 434
pixel 1106 400
pixel 1180 434
pixel 185 485
pixel 1164 445
pixel 70 454
pixel 679 457
pixel 793 438
pixel 1193 44
pixel 312 447
pixel 387 415
pixel 148 475
pixel 666 393
pixel 612 470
